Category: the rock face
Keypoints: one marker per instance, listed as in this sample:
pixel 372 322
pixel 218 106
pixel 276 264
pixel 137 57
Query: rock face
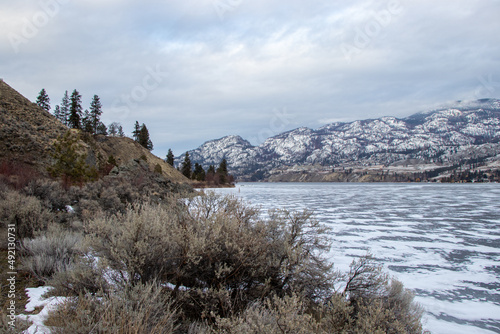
pixel 447 136
pixel 28 133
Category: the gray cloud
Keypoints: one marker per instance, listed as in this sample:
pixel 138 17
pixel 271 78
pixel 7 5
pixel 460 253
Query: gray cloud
pixel 198 70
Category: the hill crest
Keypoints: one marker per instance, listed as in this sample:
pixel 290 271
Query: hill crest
pixel 28 133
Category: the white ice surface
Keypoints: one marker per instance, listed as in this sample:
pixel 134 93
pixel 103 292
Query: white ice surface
pixel 441 241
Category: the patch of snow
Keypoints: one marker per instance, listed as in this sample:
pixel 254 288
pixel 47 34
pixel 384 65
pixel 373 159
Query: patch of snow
pixel 36 299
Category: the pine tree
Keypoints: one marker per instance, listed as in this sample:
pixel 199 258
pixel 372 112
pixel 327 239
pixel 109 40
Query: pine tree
pixel 87 122
pixel 143 138
pixel 65 106
pixel 102 129
pixel 210 175
pixel 75 110
pixel 137 130
pixel 222 172
pixel 57 113
pixel 120 131
pixel 198 173
pixel 95 113
pixel 222 167
pixel 186 166
pixel 43 100
pixel 69 163
pixel 170 157
pixel 113 129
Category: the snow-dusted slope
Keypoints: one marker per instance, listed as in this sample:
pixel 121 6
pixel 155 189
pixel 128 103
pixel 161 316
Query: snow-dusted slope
pixel 439 136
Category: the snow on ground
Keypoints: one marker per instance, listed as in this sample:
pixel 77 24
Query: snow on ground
pixel 36 299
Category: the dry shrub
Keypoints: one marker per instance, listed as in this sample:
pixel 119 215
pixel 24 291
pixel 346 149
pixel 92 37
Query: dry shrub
pixel 371 303
pixel 89 209
pixel 393 311
pixel 273 316
pixel 336 315
pixel 228 270
pixel 50 253
pixel 25 212
pixel 106 194
pixel 20 325
pixel 212 246
pixel 17 175
pixel 51 193
pixel 364 279
pixel 84 276
pixel 139 244
pixel 143 308
pixel 109 195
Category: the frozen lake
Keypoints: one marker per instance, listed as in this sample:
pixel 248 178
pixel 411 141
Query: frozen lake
pixel 441 240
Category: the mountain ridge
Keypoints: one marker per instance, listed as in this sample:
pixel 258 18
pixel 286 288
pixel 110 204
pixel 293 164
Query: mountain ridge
pixel 440 137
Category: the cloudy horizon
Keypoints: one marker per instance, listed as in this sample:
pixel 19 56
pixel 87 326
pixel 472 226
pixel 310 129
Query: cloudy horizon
pixel 200 70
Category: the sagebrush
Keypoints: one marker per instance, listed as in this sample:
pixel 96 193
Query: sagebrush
pixel 135 258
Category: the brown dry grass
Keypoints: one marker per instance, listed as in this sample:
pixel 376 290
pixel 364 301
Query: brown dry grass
pixel 28 133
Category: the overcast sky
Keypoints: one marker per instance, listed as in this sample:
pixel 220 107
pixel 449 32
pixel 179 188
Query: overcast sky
pixel 193 71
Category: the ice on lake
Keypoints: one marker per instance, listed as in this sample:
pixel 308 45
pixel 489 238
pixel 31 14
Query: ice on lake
pixel 441 240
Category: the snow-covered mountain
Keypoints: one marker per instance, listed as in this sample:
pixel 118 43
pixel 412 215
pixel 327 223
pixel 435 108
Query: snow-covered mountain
pixel 462 131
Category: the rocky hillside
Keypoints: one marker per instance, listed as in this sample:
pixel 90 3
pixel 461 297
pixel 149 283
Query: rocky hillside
pixel 444 137
pixel 28 133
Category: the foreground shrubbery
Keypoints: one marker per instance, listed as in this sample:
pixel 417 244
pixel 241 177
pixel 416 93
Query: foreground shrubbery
pixel 204 265
pixel 227 270
pixel 142 308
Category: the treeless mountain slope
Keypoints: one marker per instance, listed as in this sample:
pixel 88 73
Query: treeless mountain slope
pixel 28 133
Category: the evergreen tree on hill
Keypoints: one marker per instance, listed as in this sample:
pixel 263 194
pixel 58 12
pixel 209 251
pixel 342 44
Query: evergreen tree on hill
pixel 222 167
pixel 58 114
pixel 43 100
pixel 137 130
pixel 170 157
pixel 65 106
pixel 143 138
pixel 68 163
pixel 95 113
pixel 75 110
pixel 120 131
pixel 102 129
pixel 186 166
pixel 86 122
pixel 115 129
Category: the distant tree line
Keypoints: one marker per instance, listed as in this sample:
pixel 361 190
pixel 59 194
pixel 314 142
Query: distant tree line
pixel 71 114
pixel 211 176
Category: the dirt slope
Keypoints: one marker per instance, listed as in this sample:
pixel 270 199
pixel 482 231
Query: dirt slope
pixel 27 135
